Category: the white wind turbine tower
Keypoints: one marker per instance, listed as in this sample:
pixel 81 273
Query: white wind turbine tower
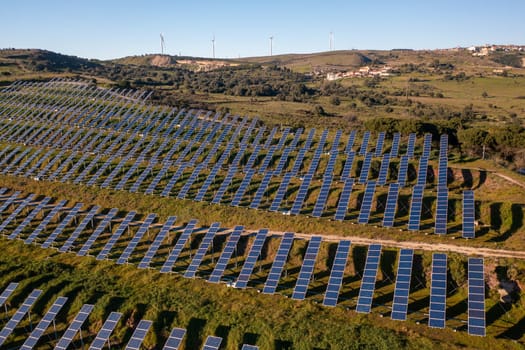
pixel 271 45
pixel 162 44
pixel 331 41
pixel 213 46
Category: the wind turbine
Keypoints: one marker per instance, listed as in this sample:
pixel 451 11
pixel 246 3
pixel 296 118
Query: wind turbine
pixel 271 45
pixel 331 41
pixel 162 44
pixel 213 46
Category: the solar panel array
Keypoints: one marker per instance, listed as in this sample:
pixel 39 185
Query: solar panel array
pixel 175 339
pixel 154 247
pixel 138 335
pixel 226 254
pixel 179 246
pixel 366 205
pixel 203 248
pixel 74 327
pixel 105 332
pixel 402 288
pixel 366 292
pixel 336 275
pixel 468 214
pixel 391 205
pixel 476 297
pixel 10 326
pixel 438 291
pixel 276 271
pixel 251 259
pixel 307 269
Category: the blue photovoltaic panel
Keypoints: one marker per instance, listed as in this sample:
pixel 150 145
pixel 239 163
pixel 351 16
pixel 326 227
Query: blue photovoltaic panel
pixel 251 259
pixel 414 218
pixel 364 143
pixel 282 161
pixel 78 230
pixel 179 246
pixel 365 168
pixel 391 205
pixel 207 183
pixel 443 171
pixel 97 232
pixel 278 264
pixel 19 315
pixel 351 140
pixel 347 169
pixel 44 222
pixel 368 283
pixel 282 140
pixel 242 188
pixel 469 215
pixel 269 140
pixel 422 171
pixel 402 289
pixel 60 227
pixel 249 347
pixel 394 150
pixel 224 185
pixel 74 327
pixel 189 182
pixel 336 275
pixel 171 183
pixel 366 206
pixel 145 173
pixel 49 317
pixel 27 220
pixel 226 254
pixel 160 175
pixel 307 269
pixel 267 160
pixel 124 225
pixel 383 171
pixel 476 297
pixel 138 335
pixel 261 190
pixel 17 211
pixel 309 139
pixel 9 201
pixel 191 271
pixel 212 343
pixel 301 194
pixel 7 292
pixel 298 161
pixel 152 250
pixel 379 145
pixel 320 204
pixel 136 239
pixel 281 192
pixel 441 211
pixel 253 158
pixel 106 330
pixel 175 339
pixel 402 171
pixel 344 199
pixel 438 291
pixel 411 145
pixel 443 146
pixel 427 143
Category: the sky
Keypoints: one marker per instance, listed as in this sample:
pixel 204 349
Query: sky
pixel 106 29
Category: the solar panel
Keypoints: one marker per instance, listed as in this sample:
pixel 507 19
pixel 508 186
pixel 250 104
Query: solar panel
pixel 138 335
pixel 364 143
pixel 394 150
pixel 249 347
pixel 74 327
pixel 301 194
pixel 366 206
pixel 391 204
pixel 402 289
pixel 422 171
pixel 347 169
pixel 189 182
pixel 27 220
pixel 383 171
pixel 379 145
pixel 60 227
pixel 267 160
pixel 97 232
pixel 26 162
pixel 152 250
pixel 344 199
pixel 253 158
pixel 128 174
pixel 443 171
pixel 76 233
pixel 350 142
pixel 7 292
pixel 336 275
pixel 282 140
pixel 263 186
pixel 278 264
pixel 411 145
pixel 307 269
pixel 469 215
pixel 443 146
pixel 17 211
pixel 179 246
pixel 9 201
pixel 282 161
pixel 309 139
pixel 414 218
pixel 207 183
pixel 124 225
pixel 427 143
pixel 226 254
pixel 166 191
pixel 107 328
pixel 365 168
pixel 476 297
pixel 242 188
pixel 297 136
pixel 49 317
pixel 143 175
pixel 320 204
pixel 191 271
pixel 368 283
pixel 438 291
pixel 440 227
pixel 19 315
pixel 298 161
pixel 175 339
pixel 251 259
pixel 136 239
pixel 281 192
pixel 212 343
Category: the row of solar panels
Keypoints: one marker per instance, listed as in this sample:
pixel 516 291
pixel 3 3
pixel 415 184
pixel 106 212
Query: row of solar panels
pixel 173 342
pixel 365 298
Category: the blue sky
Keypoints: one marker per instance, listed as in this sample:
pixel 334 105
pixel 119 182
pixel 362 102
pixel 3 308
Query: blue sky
pixel 110 29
